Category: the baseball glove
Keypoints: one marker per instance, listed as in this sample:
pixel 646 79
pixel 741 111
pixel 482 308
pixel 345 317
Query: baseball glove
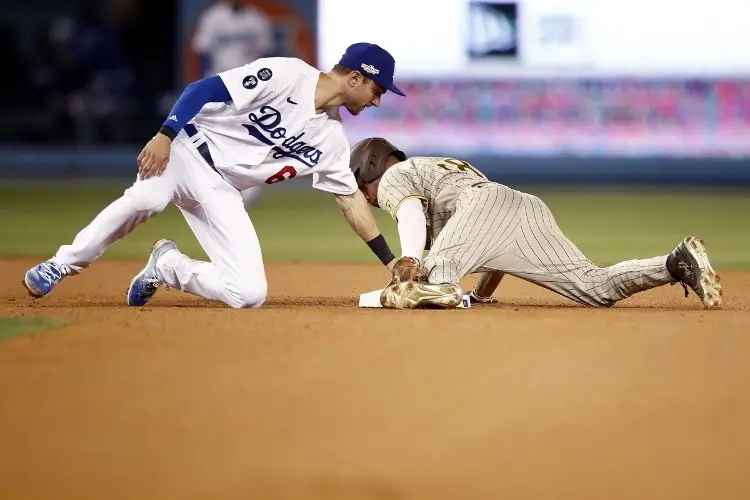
pixel 407 269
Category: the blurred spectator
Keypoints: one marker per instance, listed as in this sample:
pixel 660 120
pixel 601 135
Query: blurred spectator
pixel 89 72
pixel 231 33
pixel 290 35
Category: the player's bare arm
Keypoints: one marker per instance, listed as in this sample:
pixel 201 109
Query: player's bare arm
pixel 359 217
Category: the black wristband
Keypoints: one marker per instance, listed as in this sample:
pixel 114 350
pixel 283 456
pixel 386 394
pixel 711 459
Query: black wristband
pixel 168 132
pixel 380 248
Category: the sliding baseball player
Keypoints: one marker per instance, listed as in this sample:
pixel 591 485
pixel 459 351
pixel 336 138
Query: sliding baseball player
pixel 471 225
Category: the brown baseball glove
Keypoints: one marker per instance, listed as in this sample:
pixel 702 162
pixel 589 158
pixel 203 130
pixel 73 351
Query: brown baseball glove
pixel 407 269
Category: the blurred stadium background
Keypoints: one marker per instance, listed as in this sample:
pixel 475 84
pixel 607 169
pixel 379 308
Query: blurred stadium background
pixel 630 119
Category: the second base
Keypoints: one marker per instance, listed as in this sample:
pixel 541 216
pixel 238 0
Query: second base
pixel 372 299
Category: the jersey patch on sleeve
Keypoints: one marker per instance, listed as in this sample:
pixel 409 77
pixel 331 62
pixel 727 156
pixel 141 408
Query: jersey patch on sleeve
pixel 265 74
pixel 250 82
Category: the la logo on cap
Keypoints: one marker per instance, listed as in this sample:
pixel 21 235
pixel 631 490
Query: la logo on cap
pixel 370 69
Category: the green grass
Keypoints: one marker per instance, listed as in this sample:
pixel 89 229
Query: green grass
pixel 13 327
pixel 305 225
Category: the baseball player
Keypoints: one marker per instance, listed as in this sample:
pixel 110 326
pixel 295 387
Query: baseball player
pixel 473 225
pixel 261 123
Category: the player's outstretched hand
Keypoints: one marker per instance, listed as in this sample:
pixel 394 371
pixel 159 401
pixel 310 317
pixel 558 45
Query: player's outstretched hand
pixel 153 159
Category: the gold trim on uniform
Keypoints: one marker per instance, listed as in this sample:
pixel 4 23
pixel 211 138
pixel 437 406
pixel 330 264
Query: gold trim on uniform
pixel 395 211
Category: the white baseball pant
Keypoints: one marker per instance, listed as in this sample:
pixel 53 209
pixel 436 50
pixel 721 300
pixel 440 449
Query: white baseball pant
pixel 214 211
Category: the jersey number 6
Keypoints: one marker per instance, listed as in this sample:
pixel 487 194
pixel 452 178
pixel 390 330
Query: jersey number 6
pixel 282 175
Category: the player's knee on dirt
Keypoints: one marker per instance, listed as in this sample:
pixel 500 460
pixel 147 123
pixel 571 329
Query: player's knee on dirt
pixel 589 297
pixel 249 295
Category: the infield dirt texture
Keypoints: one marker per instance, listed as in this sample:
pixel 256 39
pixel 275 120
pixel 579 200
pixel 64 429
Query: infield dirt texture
pixel 313 398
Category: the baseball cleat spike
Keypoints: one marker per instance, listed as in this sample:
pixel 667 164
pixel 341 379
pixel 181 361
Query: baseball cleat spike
pixel 42 278
pixel 145 284
pixel 694 271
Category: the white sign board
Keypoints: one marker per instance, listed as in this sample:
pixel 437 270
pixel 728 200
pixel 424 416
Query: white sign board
pixel 551 37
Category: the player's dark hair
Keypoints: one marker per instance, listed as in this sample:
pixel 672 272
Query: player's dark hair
pixel 341 70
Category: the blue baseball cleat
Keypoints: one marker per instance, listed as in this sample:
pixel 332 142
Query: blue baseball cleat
pixel 147 282
pixel 41 279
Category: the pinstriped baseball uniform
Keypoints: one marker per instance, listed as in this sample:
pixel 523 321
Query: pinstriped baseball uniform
pixel 435 181
pixel 476 225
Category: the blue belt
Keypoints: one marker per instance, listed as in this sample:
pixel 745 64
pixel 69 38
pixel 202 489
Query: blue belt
pixel 191 131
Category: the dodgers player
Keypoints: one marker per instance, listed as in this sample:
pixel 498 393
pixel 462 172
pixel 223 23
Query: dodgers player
pixel 261 123
pixel 474 225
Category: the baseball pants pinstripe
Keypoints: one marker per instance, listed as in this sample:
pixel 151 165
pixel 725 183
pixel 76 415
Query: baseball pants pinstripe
pixel 496 227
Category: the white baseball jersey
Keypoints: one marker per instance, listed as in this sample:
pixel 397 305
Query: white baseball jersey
pixel 231 37
pixel 271 131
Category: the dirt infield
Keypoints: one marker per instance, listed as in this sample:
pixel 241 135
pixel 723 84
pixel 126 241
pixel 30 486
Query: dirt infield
pixel 311 397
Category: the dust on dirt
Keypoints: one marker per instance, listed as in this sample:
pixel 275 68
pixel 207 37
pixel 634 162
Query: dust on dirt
pixel 311 397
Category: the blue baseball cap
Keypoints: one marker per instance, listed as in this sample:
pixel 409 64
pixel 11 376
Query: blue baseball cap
pixel 372 61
